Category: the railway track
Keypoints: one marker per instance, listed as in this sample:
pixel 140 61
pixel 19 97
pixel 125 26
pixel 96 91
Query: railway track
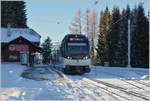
pixel 112 86
pixel 124 89
pixel 111 93
pixel 145 84
pixel 119 89
pixel 107 91
pixel 126 79
pixel 55 70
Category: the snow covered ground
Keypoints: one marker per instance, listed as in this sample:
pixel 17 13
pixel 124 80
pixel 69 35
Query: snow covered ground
pixel 101 84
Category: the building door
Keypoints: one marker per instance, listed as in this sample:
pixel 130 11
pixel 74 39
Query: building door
pixel 24 57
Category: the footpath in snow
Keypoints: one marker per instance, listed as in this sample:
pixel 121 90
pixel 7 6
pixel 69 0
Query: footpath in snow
pixel 101 84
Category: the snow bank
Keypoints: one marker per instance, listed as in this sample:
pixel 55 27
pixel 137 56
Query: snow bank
pixel 118 72
pixel 40 73
pixel 10 74
pixel 14 87
pixel 10 93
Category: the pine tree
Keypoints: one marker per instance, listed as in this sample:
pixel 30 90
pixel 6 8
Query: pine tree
pixel 47 48
pixel 123 37
pixel 13 13
pixel 133 29
pixel 113 36
pixel 21 14
pixel 102 38
pixel 140 38
pixel 100 44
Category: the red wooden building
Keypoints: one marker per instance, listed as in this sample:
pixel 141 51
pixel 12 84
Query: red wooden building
pixel 19 44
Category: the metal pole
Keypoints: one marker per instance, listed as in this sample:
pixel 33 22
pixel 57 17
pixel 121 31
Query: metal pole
pixel 129 45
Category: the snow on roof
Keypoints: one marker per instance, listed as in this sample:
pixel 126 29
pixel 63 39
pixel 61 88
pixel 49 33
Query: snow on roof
pixel 9 34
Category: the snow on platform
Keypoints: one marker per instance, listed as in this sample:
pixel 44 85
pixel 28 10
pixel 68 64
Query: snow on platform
pixel 74 87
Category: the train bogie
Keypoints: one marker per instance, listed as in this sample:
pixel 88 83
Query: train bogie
pixel 76 69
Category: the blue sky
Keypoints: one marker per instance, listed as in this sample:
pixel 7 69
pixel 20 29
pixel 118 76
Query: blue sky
pixel 43 15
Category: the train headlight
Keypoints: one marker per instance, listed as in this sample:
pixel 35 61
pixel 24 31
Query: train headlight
pixel 69 57
pixel 86 57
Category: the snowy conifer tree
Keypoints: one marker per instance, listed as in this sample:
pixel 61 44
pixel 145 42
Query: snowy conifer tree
pixel 102 38
pixel 140 37
pixel 123 37
pixel 113 38
pixel 47 50
pixel 13 13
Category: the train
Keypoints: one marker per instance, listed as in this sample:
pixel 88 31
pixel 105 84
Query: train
pixel 75 54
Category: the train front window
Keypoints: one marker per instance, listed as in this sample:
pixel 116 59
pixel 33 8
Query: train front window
pixel 78 48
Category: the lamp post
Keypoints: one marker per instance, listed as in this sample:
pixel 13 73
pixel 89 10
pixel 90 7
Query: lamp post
pixel 129 45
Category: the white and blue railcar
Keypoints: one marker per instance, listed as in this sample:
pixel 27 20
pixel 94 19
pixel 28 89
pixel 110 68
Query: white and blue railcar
pixel 75 54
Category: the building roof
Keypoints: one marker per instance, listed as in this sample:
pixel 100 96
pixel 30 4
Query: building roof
pixel 34 47
pixel 9 34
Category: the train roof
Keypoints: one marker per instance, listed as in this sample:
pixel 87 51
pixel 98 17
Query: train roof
pixel 75 36
pixel 68 37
